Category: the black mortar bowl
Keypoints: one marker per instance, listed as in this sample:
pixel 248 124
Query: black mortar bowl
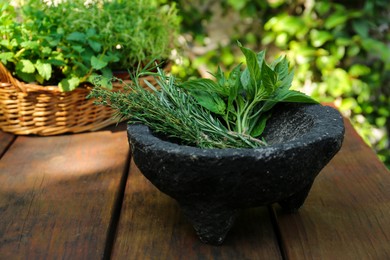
pixel 212 185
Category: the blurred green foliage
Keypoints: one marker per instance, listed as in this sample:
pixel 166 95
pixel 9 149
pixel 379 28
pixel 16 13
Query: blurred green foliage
pixel 340 50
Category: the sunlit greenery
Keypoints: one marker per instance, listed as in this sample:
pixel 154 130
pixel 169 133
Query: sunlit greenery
pixel 340 50
pixel 66 43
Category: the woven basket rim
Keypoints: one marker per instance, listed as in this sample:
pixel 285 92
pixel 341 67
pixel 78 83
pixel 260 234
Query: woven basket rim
pixel 33 87
pixel 29 108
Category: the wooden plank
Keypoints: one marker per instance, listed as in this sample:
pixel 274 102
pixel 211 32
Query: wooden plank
pixel 151 226
pixel 347 213
pixel 58 194
pixel 5 141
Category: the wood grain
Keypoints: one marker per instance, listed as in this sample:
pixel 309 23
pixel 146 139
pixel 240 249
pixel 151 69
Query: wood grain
pixel 59 198
pixel 347 213
pixel 5 140
pixel 152 227
pixel 58 194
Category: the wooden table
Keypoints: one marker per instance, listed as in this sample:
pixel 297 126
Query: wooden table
pixel 81 197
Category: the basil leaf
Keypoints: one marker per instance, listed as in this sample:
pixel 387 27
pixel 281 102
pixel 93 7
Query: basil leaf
pixel 210 101
pixel 220 77
pixel 295 96
pixel 281 69
pixel 285 95
pixel 206 85
pixel 253 71
pixel 259 127
pixel 252 64
pixel 286 81
pixel 234 83
pixel 276 62
pixel 234 75
pixel 268 78
pixel 245 79
pixel 260 58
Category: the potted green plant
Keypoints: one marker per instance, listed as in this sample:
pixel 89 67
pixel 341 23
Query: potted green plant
pixel 65 44
pixel 244 140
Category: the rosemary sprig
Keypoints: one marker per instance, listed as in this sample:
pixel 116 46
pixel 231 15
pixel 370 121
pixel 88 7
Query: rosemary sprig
pixel 171 111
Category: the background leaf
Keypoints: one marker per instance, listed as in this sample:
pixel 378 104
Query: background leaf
pixel 25 66
pixel 319 38
pixel 97 63
pixel 69 84
pixel 6 56
pixel 77 37
pixel 44 69
pixel 337 18
pixel 96 46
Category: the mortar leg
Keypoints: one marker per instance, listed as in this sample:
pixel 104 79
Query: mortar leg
pixel 295 201
pixel 211 223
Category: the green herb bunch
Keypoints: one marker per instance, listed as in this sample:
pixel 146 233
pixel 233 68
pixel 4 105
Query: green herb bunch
pixel 69 42
pixel 171 111
pixel 228 113
pixel 244 99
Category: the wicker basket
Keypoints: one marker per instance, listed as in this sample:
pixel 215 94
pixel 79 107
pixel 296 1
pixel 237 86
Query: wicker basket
pixel 45 110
